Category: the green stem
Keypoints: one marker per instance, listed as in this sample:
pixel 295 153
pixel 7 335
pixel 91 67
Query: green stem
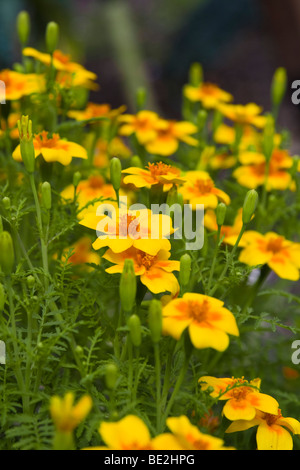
pixel 158 384
pixel 216 251
pixel 177 387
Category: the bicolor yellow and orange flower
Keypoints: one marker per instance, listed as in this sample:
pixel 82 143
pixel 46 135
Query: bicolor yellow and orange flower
pixel 82 253
pixel 244 115
pixel 209 94
pixel 53 149
pixel 281 255
pixel 155 271
pixel 273 432
pixel 154 174
pixel 18 84
pixel 200 189
pixel 104 150
pixel 66 415
pixel 143 125
pixel 243 398
pixel 226 135
pixel 209 323
pixel 95 110
pixel 11 125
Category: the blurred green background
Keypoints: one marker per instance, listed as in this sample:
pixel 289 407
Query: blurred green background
pixel 152 43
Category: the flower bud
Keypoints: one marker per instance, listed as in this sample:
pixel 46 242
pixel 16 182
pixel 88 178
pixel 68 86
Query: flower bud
pixel 23 27
pixel 52 34
pixel 111 375
pixel 250 205
pixel 195 74
pixel 135 330
pixel 2 298
pixel 128 286
pixel 7 254
pixel 268 137
pixel 136 162
pixel 26 143
pixel 141 96
pixel 46 195
pixel 76 178
pixel 6 203
pixel 155 320
pixel 279 85
pixel 201 119
pixel 30 281
pixel 185 269
pixel 115 173
pixel 221 213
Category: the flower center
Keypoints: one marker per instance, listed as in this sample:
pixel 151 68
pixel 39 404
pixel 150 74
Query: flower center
pixel 143 259
pixel 201 445
pixel 157 169
pixel 42 140
pixel 271 419
pixel 204 186
pixel 96 182
pixel 275 245
pixel 63 58
pixel 125 227
pixel 198 311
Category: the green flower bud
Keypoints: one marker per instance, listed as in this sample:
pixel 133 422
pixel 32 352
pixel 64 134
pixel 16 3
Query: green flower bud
pixel 195 74
pixel 250 205
pixel 217 120
pixel 30 281
pixel 6 203
pixel 279 86
pixel 221 213
pixel 26 143
pixel 111 375
pixel 23 27
pixel 201 119
pixel 128 286
pixel 268 137
pixel 115 173
pixel 7 254
pixel 46 195
pixel 141 96
pixel 2 298
pixel 135 330
pixel 136 162
pixel 185 269
pixel 155 320
pixel 52 34
pixel 76 178
pixel 79 351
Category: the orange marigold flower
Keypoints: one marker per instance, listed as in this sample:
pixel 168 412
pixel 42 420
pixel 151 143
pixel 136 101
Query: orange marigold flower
pixel 226 135
pixel 271 433
pixel 200 189
pixel 142 125
pixel 209 94
pixel 95 110
pixel 281 255
pixel 186 436
pixel 206 318
pixel 243 398
pixel 168 136
pixel 53 149
pixel 289 373
pixel 19 84
pixel 229 233
pixel 82 253
pixel 156 173
pixel 155 271
pixel 243 115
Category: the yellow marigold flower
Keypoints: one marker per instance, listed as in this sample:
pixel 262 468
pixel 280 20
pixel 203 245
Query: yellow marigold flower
pixel 244 115
pixel 95 110
pixel 12 121
pixel 243 398
pixel 186 436
pixel 226 135
pixel 53 149
pixel 104 150
pixel 168 136
pixel 82 253
pixel 209 94
pixel 142 125
pixel 19 84
pixel 156 173
pixel 67 416
pixel 155 271
pixel 207 320
pixel 222 161
pixel 200 189
pixel 281 255
pixel 229 233
pixel 75 79
pixel 141 229
pixel 271 432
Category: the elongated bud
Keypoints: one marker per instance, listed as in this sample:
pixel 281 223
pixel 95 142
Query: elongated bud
pixel 279 86
pixel 79 351
pixel 135 330
pixel 201 119
pixel 2 298
pixel 195 74
pixel 6 203
pixel 136 162
pixel 7 253
pixel 26 143
pixel 221 213
pixel 185 269
pixel 76 178
pixel 141 96
pixel 46 195
pixel 115 173
pixel 52 34
pixel 268 137
pixel 111 375
pixel 217 120
pixel 23 27
pixel 250 205
pixel 155 320
pixel 128 286
pixel 30 281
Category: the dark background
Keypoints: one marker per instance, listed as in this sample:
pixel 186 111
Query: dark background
pixel 130 43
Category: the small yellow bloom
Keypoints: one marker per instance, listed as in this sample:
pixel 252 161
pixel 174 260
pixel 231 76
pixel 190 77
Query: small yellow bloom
pixel 95 110
pixel 67 416
pixel 206 318
pixel 244 115
pixel 271 432
pixel 243 398
pixel 168 136
pixel 200 189
pixel 186 436
pixel 156 173
pixel 82 253
pixel 222 161
pixel 281 255
pixel 155 271
pixel 226 135
pixel 53 149
pixel 208 94
pixel 19 84
pixel 142 125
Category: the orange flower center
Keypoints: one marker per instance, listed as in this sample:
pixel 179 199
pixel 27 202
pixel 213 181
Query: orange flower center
pixel 198 311
pixel 143 259
pixel 63 58
pixel 201 445
pixel 42 140
pixel 204 186
pixel 275 245
pixel 157 169
pixel 135 446
pixel 124 225
pixel 240 392
pixel 209 89
pixel 96 182
pixel 271 419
